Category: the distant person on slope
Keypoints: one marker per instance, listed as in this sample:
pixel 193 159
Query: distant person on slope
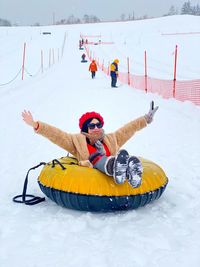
pixel 96 149
pixel 93 68
pixel 83 58
pixel 80 45
pixel 114 72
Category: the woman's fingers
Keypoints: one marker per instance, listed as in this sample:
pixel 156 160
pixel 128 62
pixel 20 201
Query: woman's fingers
pixel 27 117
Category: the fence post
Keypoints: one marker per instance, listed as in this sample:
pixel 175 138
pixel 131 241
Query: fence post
pixel 23 61
pixel 63 45
pixel 103 65
pixel 58 54
pixel 53 56
pixel 128 66
pixel 175 64
pixel 145 71
pixel 49 57
pixel 42 65
pixel 108 68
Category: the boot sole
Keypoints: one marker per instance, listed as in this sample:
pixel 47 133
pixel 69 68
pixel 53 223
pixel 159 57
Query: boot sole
pixel 121 158
pixel 134 172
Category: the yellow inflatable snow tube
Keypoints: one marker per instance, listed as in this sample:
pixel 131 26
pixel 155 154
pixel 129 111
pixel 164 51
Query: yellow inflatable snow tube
pixel 82 188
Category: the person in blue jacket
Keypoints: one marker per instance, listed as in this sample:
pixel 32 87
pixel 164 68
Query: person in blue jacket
pixel 114 72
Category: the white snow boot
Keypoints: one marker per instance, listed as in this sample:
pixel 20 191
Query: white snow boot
pixel 134 172
pixel 120 166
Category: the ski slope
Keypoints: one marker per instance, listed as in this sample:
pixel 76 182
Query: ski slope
pixel 164 233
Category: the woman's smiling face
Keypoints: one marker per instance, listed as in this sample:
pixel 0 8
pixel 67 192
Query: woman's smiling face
pixel 97 126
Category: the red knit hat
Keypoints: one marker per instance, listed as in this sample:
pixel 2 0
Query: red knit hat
pixel 90 115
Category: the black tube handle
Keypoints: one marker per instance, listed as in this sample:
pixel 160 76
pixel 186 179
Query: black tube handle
pixel 54 161
pixel 32 200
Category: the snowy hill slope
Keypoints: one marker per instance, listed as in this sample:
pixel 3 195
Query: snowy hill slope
pixel 166 232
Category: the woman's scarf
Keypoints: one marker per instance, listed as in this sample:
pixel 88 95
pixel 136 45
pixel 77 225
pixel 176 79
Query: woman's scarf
pixel 94 137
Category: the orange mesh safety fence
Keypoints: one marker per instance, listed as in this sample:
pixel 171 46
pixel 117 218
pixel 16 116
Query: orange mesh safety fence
pixel 180 90
pixel 98 43
pixel 188 90
pixel 162 87
pixel 90 36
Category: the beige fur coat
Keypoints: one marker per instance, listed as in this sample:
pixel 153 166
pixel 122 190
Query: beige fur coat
pixel 76 144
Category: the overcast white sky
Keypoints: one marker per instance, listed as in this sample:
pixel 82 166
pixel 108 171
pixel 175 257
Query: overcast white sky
pixel 26 12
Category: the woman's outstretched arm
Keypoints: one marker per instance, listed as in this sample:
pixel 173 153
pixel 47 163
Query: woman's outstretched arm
pixel 55 135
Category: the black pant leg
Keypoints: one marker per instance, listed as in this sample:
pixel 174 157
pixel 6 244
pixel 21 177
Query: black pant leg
pixel 113 81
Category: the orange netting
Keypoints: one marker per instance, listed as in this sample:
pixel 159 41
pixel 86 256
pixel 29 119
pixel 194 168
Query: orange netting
pixel 180 90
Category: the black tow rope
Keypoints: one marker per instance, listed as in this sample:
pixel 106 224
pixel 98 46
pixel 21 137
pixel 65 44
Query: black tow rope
pixel 26 198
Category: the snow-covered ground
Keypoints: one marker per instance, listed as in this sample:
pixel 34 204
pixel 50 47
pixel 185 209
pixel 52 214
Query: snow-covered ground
pixel 164 233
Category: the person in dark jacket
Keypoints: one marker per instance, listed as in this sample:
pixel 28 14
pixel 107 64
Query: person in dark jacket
pixel 114 72
pixel 80 45
pixel 83 58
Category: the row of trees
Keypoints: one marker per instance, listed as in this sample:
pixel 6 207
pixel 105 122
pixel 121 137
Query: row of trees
pixel 70 20
pixel 187 8
pixel 73 20
pixel 4 22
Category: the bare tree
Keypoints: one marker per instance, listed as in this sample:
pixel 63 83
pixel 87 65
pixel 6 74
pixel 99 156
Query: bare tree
pixel 123 17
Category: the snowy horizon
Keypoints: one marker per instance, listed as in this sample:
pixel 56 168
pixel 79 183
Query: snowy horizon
pixel 164 232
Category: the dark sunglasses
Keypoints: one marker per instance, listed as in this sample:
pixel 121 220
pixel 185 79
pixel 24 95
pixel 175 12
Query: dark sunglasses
pixel 91 126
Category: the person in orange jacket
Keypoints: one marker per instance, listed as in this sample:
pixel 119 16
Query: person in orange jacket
pixel 93 68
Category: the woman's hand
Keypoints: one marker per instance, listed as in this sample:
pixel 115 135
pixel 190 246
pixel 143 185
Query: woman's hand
pixel 28 118
pixel 149 116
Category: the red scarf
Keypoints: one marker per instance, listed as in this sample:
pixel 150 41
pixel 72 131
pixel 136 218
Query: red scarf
pixel 93 138
pixel 93 149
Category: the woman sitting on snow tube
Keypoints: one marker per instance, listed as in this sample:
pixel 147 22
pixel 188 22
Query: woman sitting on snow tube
pixel 93 148
pixel 136 181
